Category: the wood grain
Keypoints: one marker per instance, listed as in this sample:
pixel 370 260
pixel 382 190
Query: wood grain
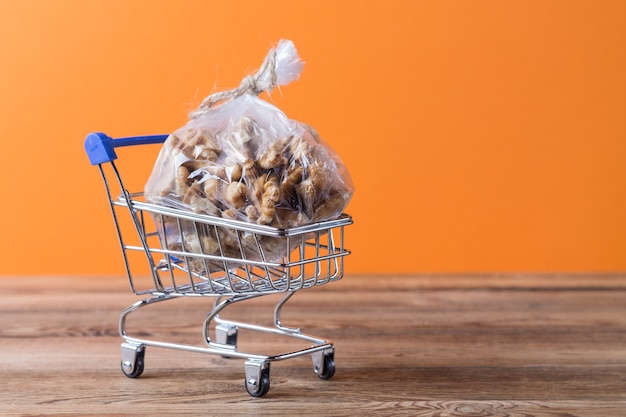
pixel 421 346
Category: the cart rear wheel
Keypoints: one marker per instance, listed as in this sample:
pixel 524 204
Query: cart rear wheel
pixel 132 363
pixel 137 370
pixel 328 367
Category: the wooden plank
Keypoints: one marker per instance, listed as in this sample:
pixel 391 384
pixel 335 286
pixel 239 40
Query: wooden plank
pixel 494 280
pixel 416 349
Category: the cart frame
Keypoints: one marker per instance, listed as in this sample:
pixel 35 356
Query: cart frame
pixel 314 257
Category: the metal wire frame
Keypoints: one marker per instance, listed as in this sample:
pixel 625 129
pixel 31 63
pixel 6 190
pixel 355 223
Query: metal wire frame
pixel 313 254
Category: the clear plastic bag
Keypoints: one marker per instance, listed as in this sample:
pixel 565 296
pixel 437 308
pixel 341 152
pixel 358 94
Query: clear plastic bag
pixel 242 158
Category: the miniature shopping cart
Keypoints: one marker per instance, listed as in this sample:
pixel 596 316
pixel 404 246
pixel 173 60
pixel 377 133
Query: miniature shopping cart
pixel 315 257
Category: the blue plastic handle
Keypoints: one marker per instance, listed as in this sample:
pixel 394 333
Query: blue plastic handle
pixel 100 148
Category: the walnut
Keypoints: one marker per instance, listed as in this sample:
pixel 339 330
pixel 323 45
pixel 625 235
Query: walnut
pixel 288 191
pixel 229 214
pixel 274 156
pixel 199 144
pixel 252 213
pixel 287 218
pixel 203 205
pixel 299 150
pixel 182 180
pixel 233 172
pixel 318 176
pixel 330 206
pixel 244 139
pixel 236 194
pixel 211 189
pixel 269 198
pixel 307 194
pixel 210 245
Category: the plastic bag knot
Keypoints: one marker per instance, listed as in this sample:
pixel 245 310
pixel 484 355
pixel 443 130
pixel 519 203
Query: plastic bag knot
pixel 281 66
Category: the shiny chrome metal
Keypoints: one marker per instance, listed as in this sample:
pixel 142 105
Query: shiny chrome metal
pixel 313 256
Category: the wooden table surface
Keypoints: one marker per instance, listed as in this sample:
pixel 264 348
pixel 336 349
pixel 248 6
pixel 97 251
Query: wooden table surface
pixel 509 345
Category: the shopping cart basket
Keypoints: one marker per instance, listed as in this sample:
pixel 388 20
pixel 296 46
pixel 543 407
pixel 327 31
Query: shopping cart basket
pixel 315 257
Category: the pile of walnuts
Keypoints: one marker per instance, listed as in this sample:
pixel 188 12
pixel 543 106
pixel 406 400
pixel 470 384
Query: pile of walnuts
pixel 284 182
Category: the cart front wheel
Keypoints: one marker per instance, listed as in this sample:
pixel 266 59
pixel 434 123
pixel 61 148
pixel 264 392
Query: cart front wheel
pixel 257 378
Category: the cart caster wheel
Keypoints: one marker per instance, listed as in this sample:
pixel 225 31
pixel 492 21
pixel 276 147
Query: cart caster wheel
pixel 324 364
pixel 132 359
pixel 257 378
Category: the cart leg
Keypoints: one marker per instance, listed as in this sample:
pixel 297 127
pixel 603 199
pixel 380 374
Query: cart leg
pixel 133 359
pixel 257 377
pixel 278 309
pixel 226 333
pixel 324 363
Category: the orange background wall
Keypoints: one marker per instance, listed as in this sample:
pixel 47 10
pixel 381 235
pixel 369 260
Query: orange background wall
pixel 483 136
